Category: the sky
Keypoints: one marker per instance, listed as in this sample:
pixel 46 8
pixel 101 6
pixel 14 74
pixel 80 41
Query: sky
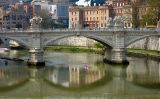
pixel 81 2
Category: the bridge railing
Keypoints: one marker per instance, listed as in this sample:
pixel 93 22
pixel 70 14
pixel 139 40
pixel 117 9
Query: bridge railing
pixel 74 29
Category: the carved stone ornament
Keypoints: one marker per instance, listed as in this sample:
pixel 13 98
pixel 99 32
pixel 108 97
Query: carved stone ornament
pixel 119 22
pixel 35 22
pixel 110 22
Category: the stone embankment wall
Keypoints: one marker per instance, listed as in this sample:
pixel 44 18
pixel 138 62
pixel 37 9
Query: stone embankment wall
pixel 74 41
pixel 150 43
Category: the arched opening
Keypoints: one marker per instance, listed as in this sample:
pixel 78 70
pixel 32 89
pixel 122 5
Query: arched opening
pixel 102 41
pixel 73 40
pixel 149 42
pixel 19 53
pixel 12 42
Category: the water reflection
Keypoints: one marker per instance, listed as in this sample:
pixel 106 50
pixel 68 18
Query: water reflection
pixel 139 80
pixel 73 76
pixel 145 72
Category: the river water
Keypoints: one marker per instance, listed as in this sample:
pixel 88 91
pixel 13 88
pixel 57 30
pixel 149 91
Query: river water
pixel 69 75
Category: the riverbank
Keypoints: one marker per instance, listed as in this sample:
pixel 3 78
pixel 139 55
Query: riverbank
pixel 130 51
pixel 143 53
pixel 75 49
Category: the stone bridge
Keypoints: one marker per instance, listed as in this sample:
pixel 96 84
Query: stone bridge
pixel 115 40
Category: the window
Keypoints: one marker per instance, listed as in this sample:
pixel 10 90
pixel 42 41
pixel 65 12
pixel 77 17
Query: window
pixel 93 18
pixel 128 24
pixel 90 18
pixel 102 18
pixel 101 25
pixel 97 18
pixel 125 24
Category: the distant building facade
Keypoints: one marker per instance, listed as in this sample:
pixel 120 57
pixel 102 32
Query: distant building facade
pixel 16 16
pixel 57 10
pixel 89 17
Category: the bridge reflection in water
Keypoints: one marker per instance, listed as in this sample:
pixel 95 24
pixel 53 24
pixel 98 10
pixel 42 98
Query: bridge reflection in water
pixel 140 80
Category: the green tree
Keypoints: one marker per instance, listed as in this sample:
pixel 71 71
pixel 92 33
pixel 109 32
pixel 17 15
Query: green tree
pixel 135 18
pixel 47 21
pixel 98 45
pixel 155 4
pixel 150 18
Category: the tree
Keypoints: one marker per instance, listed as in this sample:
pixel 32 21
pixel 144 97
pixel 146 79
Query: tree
pixel 98 45
pixel 47 21
pixel 150 18
pixel 153 13
pixel 135 18
pixel 155 4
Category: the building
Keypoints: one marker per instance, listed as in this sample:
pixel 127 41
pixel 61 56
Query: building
pixel 89 17
pixel 58 11
pixel 128 16
pixel 14 17
pixel 62 2
pixel 4 3
pixel 13 20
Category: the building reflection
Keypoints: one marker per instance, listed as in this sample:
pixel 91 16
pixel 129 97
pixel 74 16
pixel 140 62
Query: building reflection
pixel 12 75
pixel 73 76
pixel 144 71
pixel 58 81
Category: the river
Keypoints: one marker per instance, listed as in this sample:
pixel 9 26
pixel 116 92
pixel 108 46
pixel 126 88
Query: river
pixel 73 75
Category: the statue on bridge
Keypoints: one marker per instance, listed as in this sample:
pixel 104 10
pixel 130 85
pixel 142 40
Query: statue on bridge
pixel 35 23
pixel 110 23
pixel 117 22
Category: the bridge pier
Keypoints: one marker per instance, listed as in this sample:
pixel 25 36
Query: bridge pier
pixel 36 57
pixel 115 56
pixel 119 56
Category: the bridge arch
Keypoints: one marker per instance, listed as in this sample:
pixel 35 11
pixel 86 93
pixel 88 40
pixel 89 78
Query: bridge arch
pixel 137 39
pixel 18 40
pixel 96 38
